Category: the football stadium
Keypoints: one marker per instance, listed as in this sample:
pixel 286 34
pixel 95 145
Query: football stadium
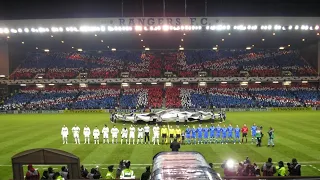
pixel 108 97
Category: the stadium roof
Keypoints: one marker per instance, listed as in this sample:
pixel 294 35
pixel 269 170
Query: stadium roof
pixel 161 33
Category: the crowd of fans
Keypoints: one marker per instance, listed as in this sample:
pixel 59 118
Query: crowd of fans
pixel 97 97
pixel 222 63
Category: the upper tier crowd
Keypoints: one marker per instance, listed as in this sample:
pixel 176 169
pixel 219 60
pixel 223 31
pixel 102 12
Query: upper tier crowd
pixel 220 96
pixel 222 63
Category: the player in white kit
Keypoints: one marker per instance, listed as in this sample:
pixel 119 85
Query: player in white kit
pixel 140 135
pixel 124 134
pixel 105 132
pixel 114 134
pixel 64 134
pixel 132 133
pixel 156 134
pixel 76 132
pixel 86 133
pixel 96 134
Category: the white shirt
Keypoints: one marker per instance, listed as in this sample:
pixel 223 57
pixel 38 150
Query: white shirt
pixel 64 131
pixel 86 131
pixel 76 130
pixel 140 130
pixel 146 129
pixel 105 130
pixel 96 132
pixel 114 131
pixel 156 130
pixel 124 131
pixel 132 130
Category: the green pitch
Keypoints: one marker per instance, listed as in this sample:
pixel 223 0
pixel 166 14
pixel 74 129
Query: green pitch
pixel 296 135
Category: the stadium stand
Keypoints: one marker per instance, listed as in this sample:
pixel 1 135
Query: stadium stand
pixel 222 63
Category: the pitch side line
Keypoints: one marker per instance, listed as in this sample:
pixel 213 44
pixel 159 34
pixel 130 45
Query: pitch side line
pixel 9 165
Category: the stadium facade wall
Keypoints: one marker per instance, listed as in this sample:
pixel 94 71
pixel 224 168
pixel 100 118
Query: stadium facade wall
pixel 4 58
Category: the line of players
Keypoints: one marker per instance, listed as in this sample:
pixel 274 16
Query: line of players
pixel 194 135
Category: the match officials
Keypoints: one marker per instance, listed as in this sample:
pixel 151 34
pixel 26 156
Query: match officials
pixel 164 134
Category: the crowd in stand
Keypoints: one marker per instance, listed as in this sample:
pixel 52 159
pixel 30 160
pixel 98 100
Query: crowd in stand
pixel 231 96
pixel 222 63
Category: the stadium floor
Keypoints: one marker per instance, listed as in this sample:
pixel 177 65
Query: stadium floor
pixel 296 135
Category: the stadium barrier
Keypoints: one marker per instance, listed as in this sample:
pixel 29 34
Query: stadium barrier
pixel 292 109
pixel 85 111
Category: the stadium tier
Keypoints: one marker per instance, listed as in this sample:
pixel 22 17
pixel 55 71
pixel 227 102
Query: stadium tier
pixel 222 63
pixel 172 97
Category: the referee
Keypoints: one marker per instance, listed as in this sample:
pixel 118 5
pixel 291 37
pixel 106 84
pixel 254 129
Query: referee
pixel 146 134
pixel 164 134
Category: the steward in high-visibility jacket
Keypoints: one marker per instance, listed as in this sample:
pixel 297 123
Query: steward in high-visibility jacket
pixel 281 170
pixel 109 174
pixel 164 134
pixel 127 173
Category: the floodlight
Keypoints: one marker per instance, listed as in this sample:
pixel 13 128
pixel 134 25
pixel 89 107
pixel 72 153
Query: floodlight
pixel 316 27
pixel 269 27
pixel 51 84
pixel 80 50
pixel 258 82
pixel 304 82
pixel 23 85
pixel 147 49
pixel 46 50
pixel 6 30
pixel 290 27
pixel 248 48
pixel 20 30
pixel 103 28
pixel 113 49
pixel 13 31
pixel 2 76
pixel 168 84
pixel 230 163
pixel 181 48
pixel 296 27
pixel 215 48
pixel 103 84
pixel 281 47
pixel 223 82
pixel 69 84
pixel 185 83
pixel 165 27
pixel 153 83
pixel 138 83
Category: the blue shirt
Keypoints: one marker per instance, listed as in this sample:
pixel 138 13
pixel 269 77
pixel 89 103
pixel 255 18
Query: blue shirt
pixel 199 131
pixel 230 129
pixel 237 131
pixel 253 129
pixel 218 129
pixel 193 132
pixel 224 131
pixel 206 132
pixel 188 132
pixel 212 129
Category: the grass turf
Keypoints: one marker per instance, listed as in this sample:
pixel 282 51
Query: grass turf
pixel 296 135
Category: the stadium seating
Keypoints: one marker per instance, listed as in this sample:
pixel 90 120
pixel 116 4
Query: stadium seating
pixel 222 63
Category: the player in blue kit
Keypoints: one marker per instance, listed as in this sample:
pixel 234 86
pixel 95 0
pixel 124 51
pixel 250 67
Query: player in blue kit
pixel 193 135
pixel 188 135
pixel 224 134
pixel 253 133
pixel 199 131
pixel 237 131
pixel 230 133
pixel 211 130
pixel 218 130
pixel 206 134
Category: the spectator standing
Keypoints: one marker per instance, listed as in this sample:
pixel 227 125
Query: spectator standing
pixel 175 146
pixel 45 175
pixel 50 172
pixel 64 172
pixel 32 174
pixel 294 168
pixel 268 168
pixel 146 175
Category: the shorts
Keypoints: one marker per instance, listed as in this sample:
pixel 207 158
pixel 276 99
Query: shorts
pixel 164 135
pixel 124 136
pixel 211 136
pixel 86 136
pixel 178 135
pixel 140 135
pixel 171 136
pixel 76 135
pixel 95 137
pixel 224 137
pixel 131 136
pixel 156 136
pixel 105 136
pixel 182 138
pixel 230 136
pixel 114 136
pixel 64 136
pixel 254 134
pixel 237 136
pixel 244 134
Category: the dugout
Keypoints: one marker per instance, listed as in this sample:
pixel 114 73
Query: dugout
pixel 43 156
pixel 182 165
